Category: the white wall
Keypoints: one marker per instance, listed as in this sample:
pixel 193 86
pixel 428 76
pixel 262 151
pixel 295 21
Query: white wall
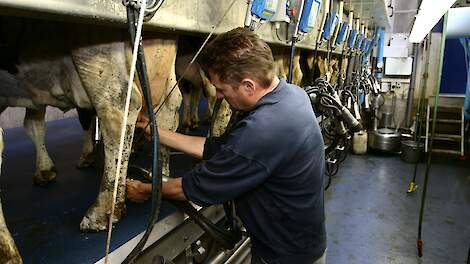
pixel 14 116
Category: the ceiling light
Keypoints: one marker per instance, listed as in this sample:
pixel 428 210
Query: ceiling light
pixel 430 12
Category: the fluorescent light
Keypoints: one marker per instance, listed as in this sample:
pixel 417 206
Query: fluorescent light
pixel 429 14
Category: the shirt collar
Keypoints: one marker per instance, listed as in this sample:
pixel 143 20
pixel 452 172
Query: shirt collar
pixel 273 96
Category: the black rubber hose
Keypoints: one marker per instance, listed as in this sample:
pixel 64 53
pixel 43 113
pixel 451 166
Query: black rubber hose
pixel 314 61
pixel 291 59
pixel 156 172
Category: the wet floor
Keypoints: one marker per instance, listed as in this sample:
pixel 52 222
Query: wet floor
pixel 370 218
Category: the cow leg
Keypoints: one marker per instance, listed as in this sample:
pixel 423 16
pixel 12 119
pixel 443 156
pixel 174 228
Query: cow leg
pixel 102 69
pixel 195 94
pixel 223 115
pixel 35 128
pixel 222 119
pixel 160 55
pixel 186 107
pixel 168 116
pixel 296 69
pixel 8 251
pixel 87 157
pixel 210 93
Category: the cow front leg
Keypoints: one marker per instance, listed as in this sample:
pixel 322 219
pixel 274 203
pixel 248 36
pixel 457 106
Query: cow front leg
pixel 87 157
pixel 35 128
pixel 8 251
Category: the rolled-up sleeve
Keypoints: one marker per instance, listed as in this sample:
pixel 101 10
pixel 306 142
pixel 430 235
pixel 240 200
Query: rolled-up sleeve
pixel 211 146
pixel 225 176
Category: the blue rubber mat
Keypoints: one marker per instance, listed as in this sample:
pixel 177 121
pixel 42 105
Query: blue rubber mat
pixel 44 221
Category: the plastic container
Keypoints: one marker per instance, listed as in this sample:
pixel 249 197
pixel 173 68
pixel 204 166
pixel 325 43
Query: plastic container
pixel 359 141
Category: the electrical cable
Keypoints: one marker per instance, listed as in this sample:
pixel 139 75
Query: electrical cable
pixel 124 127
pixel 156 170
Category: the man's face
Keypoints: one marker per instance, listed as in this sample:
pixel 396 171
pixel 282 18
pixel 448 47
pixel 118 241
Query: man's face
pixel 236 96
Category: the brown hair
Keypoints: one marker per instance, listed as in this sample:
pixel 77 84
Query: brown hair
pixel 238 54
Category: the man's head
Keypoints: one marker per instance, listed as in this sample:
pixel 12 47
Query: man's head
pixel 240 65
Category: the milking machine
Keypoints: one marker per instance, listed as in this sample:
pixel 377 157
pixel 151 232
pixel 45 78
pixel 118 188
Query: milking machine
pixel 260 11
pixel 228 235
pixel 307 17
pixel 384 136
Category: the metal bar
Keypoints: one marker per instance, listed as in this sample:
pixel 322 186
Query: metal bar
pixel 462 134
pixel 427 129
pixel 175 242
pixel 181 16
pixel 240 252
pixel 409 103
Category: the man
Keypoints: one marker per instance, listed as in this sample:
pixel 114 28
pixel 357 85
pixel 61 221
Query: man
pixel 270 162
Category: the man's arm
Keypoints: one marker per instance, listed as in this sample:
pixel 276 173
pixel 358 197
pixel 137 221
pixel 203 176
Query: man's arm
pixel 138 191
pixel 191 145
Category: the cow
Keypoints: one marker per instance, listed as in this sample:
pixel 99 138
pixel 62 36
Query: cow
pixel 281 63
pixel 8 251
pixel 197 84
pixel 71 65
pixel 328 70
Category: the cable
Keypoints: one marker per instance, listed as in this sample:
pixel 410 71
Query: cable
pixel 139 137
pixel 124 127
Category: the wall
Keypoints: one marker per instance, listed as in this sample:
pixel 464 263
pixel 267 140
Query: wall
pixel 14 116
pixel 454 71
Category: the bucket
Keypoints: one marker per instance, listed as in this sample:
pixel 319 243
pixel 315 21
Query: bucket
pixel 360 142
pixel 411 151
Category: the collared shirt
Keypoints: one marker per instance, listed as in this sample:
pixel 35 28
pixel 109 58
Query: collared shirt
pixel 271 163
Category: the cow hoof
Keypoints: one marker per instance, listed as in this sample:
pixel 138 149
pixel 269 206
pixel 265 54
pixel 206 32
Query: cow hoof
pixel 45 176
pixel 86 161
pixel 97 220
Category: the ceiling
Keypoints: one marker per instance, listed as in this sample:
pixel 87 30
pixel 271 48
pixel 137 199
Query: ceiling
pixel 374 13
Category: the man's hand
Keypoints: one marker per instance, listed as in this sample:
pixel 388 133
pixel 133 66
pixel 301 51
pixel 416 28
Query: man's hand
pixel 138 191
pixel 144 123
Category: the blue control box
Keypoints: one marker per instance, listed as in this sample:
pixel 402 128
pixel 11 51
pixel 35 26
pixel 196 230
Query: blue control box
pixel 309 15
pixel 352 38
pixel 342 33
pixel 330 25
pixel 264 9
pixel 359 40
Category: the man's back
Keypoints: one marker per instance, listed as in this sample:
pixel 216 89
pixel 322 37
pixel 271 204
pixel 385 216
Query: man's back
pixel 271 162
pixel 285 214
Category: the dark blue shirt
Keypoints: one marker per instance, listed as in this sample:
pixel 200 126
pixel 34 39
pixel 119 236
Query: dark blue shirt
pixel 271 163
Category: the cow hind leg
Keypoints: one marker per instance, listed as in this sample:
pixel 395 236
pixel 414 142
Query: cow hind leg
pixel 8 251
pixel 102 70
pixel 35 126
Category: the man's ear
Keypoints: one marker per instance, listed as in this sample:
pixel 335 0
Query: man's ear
pixel 249 86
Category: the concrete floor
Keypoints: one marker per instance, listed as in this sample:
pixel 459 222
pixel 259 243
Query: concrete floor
pixel 371 218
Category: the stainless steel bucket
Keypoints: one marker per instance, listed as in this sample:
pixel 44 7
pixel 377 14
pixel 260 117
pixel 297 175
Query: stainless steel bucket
pixel 411 151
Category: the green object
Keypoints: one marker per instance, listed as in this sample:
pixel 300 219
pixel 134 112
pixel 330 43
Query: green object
pixel 428 164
